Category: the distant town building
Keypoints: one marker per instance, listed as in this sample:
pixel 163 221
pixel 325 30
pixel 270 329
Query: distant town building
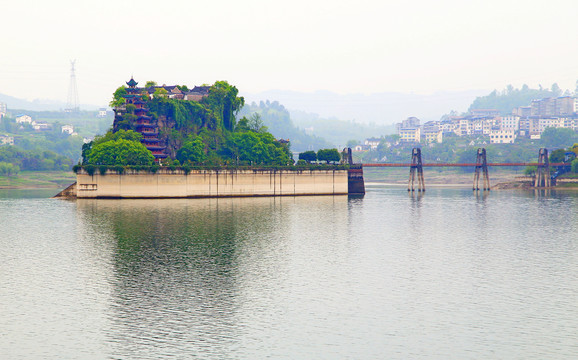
pixel 510 122
pixel 410 135
pixel 23 119
pixel 502 136
pixel 523 111
pixel 68 129
pixel 41 126
pixel 3 110
pixel 6 140
pixel 409 130
pixel 101 113
pixel 372 143
pixel 485 112
pixel 560 106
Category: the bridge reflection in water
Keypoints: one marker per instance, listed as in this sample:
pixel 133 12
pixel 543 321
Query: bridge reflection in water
pixel 542 179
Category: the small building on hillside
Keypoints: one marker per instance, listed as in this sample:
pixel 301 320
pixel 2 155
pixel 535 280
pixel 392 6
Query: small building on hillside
pixel 41 126
pixel 101 113
pixel 3 110
pixel 23 119
pixel 6 140
pixel 68 129
pixel 372 143
pixel 198 93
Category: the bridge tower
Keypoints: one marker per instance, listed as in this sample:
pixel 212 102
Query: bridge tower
pixel 543 169
pixel 481 165
pixel 416 166
pixel 355 181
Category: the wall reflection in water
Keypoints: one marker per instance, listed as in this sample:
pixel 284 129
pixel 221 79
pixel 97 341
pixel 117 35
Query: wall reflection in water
pixel 183 268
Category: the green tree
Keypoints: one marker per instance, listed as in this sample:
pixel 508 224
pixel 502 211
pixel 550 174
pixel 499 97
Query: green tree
pixel 556 89
pixel 308 156
pixel 328 155
pixel 352 143
pixel 193 150
pixel 574 166
pixel 557 156
pixel 223 100
pixel 556 137
pixel 120 152
pixel 150 83
pixel 117 97
pixel 255 123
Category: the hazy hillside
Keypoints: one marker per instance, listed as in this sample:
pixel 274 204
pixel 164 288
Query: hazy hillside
pixel 336 131
pixel 39 104
pixel 380 108
pixel 511 98
pixel 279 123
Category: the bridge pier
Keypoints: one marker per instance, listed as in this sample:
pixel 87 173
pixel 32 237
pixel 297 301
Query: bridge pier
pixel 481 165
pixel 416 166
pixel 543 169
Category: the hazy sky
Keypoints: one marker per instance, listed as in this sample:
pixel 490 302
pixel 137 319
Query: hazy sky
pixel 359 46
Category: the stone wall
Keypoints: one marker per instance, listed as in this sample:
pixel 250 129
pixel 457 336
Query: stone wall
pixel 211 183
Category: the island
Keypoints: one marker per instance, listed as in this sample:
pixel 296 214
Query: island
pixel 174 142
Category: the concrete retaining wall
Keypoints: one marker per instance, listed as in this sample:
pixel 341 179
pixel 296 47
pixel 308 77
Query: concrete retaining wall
pixel 211 183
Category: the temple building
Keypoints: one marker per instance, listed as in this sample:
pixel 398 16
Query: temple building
pixel 138 117
pixel 144 123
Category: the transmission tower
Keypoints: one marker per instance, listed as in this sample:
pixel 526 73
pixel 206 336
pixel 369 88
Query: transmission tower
pixel 72 103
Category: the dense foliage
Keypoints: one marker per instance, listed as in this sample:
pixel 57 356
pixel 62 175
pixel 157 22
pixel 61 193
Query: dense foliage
pixel 308 156
pixel 120 152
pixel 511 98
pixel 35 160
pixel 328 155
pixel 8 169
pixel 117 148
pixel 206 132
pixel 278 121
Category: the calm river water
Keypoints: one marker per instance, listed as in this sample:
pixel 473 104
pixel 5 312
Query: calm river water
pixel 446 275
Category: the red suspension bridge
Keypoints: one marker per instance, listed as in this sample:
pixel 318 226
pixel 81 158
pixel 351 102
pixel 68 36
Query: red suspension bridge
pixel 542 178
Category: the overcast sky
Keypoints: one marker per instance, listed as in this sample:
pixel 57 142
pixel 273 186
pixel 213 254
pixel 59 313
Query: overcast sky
pixel 361 46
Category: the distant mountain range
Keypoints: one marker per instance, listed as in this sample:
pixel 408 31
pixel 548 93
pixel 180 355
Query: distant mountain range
pixel 39 104
pixel 380 108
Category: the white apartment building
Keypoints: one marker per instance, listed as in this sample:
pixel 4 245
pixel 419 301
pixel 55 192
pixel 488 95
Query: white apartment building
pixel 502 136
pixel 510 122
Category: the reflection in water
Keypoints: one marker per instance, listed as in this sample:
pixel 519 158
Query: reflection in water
pixel 181 265
pixel 447 274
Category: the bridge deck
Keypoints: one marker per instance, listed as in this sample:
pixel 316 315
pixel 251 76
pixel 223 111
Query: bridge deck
pixel 459 165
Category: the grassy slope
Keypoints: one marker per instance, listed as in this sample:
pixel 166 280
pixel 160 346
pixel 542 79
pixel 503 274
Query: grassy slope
pixel 38 179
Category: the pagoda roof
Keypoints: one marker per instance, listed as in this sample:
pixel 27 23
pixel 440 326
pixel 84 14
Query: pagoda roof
pixel 132 83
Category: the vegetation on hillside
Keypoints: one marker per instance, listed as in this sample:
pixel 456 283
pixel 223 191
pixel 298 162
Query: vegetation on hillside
pixel 34 160
pixel 511 98
pixel 278 121
pixel 201 132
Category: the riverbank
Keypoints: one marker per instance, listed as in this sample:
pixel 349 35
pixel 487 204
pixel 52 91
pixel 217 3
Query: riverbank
pixel 38 180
